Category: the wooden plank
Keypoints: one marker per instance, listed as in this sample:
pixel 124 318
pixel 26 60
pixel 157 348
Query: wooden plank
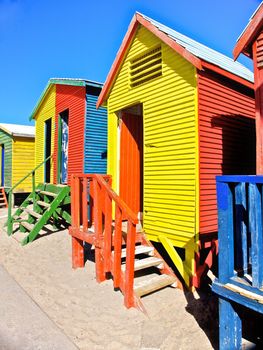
pixel 100 274
pixel 32 213
pixel 117 248
pixel 129 271
pixel 153 284
pixel 85 204
pixel 47 193
pixel 225 232
pixel 43 204
pixel 241 258
pixel 107 233
pixel 139 249
pixel 145 263
pixel 255 220
pixel 230 327
pixel 28 226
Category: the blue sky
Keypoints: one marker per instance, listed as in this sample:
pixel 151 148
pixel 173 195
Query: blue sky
pixel 40 39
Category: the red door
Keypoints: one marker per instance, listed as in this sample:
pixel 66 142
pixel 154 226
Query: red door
pixel 131 161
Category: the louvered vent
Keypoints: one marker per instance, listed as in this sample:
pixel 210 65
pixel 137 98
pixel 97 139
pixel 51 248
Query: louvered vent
pixel 260 51
pixel 146 67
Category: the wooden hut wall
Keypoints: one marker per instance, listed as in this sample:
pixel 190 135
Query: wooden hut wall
pixel 227 138
pixel 95 134
pixel 6 140
pixel 23 162
pixel 73 99
pixel 170 140
pixel 46 111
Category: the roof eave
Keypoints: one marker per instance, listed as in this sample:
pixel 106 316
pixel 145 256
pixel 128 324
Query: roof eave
pixel 118 60
pixel 244 42
pixel 227 74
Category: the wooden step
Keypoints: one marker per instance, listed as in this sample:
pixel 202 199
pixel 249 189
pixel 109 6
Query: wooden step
pixel 32 213
pixel 27 225
pixel 153 284
pixel 47 193
pixel 145 263
pixel 139 249
pixel 43 204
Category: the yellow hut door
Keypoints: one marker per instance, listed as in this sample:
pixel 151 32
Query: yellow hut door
pixel 131 161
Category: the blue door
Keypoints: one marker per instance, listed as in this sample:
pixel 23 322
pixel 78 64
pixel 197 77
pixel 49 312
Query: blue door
pixel 2 166
pixel 64 150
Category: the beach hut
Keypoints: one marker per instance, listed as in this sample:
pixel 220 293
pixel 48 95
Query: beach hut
pixel 71 137
pixel 179 113
pixel 17 152
pixel 240 270
pixel 250 43
pixel 69 127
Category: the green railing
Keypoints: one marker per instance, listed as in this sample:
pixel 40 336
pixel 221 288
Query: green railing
pixel 10 220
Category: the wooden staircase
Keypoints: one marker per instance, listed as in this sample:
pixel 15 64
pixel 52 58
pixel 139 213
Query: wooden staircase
pixel 47 204
pixel 121 249
pixel 3 200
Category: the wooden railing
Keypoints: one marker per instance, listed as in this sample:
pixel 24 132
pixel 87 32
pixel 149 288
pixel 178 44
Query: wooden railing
pixel 32 173
pixel 240 252
pixel 240 213
pixel 93 200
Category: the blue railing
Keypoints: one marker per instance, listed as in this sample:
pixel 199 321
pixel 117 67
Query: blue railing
pixel 240 253
pixel 240 223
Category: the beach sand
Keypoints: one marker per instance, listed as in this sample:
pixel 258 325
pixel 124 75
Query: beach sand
pixel 92 315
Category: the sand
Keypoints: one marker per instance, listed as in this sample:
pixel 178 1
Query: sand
pixel 92 315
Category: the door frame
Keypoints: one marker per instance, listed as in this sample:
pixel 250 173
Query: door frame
pixel 48 129
pixel 59 148
pixel 119 150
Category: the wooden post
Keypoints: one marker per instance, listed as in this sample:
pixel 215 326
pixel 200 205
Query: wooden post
pixel 117 247
pixel 230 327
pixel 255 220
pixel 129 272
pixel 100 274
pixel 10 220
pixel 77 244
pixel 85 204
pixel 225 232
pixel 107 233
pixel 34 190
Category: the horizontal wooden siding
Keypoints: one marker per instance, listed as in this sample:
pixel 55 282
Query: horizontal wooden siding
pixel 6 140
pixel 46 111
pixel 23 162
pixel 227 138
pixel 73 99
pixel 170 162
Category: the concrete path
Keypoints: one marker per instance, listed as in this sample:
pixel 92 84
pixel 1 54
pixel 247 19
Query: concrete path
pixel 23 325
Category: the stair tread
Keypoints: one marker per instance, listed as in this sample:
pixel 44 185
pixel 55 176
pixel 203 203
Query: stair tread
pixel 153 284
pixel 27 225
pixel 145 263
pixel 47 193
pixel 139 249
pixel 32 213
pixel 43 204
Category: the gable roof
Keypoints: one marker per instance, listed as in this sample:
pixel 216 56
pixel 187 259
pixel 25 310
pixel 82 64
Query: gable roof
pixel 246 38
pixel 62 81
pixel 18 130
pixel 198 54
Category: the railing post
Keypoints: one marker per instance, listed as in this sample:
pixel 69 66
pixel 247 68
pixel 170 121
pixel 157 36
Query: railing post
pixel 107 233
pixel 34 190
pixel 85 204
pixel 9 219
pixel 225 231
pixel 100 274
pixel 129 272
pixel 255 220
pixel 77 244
pixel 117 248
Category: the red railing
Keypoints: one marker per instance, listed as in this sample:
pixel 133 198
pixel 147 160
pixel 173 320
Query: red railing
pixel 95 203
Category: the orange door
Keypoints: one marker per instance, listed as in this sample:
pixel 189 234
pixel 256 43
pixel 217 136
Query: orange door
pixel 131 161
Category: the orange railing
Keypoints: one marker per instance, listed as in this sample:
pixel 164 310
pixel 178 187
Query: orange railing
pixel 95 204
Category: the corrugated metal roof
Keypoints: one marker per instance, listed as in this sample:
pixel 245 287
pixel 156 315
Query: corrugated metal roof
pixel 18 130
pixel 204 52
